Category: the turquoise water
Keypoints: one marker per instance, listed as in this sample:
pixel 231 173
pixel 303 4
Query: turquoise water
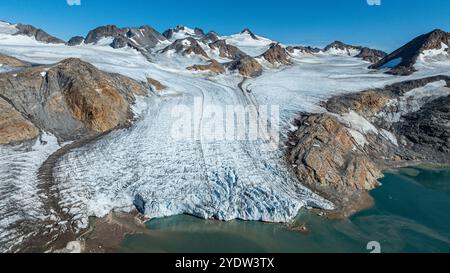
pixel 412 214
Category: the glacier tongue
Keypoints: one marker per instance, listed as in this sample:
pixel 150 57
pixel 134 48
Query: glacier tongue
pixel 21 202
pixel 210 179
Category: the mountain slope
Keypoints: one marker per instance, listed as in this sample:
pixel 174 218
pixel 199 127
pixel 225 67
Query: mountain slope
pixel 402 60
pixel 71 98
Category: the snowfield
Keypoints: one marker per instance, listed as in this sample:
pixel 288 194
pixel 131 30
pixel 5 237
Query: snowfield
pixel 222 179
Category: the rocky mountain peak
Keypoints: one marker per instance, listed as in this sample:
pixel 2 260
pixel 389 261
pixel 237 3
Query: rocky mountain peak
pixel 338 47
pixel 402 60
pixel 276 55
pixel 246 66
pixel 371 55
pixel 186 46
pixel 183 32
pixel 37 33
pixel 226 50
pixel 141 38
pixel 249 32
pixel 101 32
pixel 435 39
pixel 74 41
pixel 210 37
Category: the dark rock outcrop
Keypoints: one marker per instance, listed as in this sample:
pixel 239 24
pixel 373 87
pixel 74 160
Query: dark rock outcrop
pixel 143 37
pixel 246 66
pixel 74 41
pixel 213 66
pixel 428 129
pixel 120 42
pixel 37 33
pixel 328 156
pixel 303 49
pixel 198 33
pixel 226 50
pixel 371 55
pixel 72 98
pixel 185 47
pixel 277 55
pixel 210 37
pixel 98 33
pixel 338 45
pixel 365 53
pixel 404 58
pixel 249 32
pixel 155 84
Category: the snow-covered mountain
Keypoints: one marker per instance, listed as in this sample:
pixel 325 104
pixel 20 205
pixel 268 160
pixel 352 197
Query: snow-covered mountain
pixel 28 31
pixel 181 32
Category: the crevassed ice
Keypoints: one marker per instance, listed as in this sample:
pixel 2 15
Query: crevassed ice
pixel 20 199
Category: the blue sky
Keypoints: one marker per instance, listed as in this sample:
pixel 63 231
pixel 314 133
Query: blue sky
pixel 307 22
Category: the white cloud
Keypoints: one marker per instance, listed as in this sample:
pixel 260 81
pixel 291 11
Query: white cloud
pixel 74 2
pixel 374 2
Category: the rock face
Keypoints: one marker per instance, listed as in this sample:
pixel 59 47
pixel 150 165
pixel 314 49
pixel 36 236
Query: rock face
pixel 276 55
pixel 342 153
pixel 341 48
pixel 210 37
pixel 156 85
pixel 428 129
pixel 14 127
pixel 185 47
pixel 72 98
pixel 402 60
pixel 226 50
pixel 74 41
pixel 213 66
pixel 371 55
pixel 119 42
pixel 195 33
pixel 328 161
pixel 38 34
pixel 98 33
pixel 13 62
pixel 143 37
pixel 249 32
pixel 246 66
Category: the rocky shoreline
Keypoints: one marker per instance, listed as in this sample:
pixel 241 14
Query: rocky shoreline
pixel 342 153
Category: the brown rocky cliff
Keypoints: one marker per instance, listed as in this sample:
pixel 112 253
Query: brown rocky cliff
pixel 277 55
pixel 226 50
pixel 329 157
pixel 72 98
pixel 213 66
pixel 14 127
pixel 246 66
pixel 157 85
pixel 328 160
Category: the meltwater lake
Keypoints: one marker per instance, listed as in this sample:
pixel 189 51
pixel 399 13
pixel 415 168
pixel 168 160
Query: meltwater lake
pixel 411 214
